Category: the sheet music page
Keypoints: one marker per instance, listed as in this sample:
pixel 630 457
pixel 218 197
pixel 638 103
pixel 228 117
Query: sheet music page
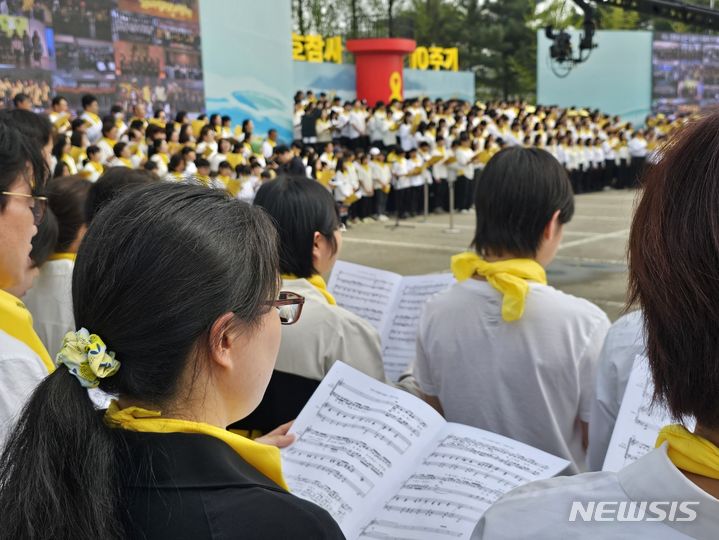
pixel 357 438
pixel 463 472
pixel 366 292
pixel 399 342
pixel 638 423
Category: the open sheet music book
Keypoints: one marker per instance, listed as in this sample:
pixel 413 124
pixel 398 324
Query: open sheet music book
pixel 385 464
pixel 638 422
pixel 390 302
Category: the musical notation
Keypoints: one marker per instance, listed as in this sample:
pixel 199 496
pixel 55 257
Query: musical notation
pixel 386 465
pixel 638 422
pixel 390 302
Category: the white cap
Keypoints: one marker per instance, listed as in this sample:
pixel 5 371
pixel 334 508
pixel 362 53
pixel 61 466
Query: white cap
pixel 374 151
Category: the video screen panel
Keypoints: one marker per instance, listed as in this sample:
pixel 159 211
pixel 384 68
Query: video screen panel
pixel 685 72
pixel 123 51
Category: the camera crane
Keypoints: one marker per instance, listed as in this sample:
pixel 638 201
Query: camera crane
pixel 561 52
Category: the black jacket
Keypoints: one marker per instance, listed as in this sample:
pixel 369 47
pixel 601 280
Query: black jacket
pixel 190 486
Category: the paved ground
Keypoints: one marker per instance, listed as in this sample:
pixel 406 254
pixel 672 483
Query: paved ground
pixel 591 261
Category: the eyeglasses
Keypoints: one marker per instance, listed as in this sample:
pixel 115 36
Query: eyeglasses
pixel 39 204
pixel 289 305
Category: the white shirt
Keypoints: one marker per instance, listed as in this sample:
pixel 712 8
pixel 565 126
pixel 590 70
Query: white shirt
pixel 530 380
pixel 50 302
pixel 325 334
pixel 464 161
pixel 357 124
pixel 94 128
pixel 406 140
pixel 541 510
pixel 21 370
pixel 637 147
pixel 624 341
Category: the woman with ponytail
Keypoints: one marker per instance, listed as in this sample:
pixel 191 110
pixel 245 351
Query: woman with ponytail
pixel 174 294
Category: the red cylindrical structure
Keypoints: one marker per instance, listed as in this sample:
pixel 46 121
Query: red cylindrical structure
pixel 379 65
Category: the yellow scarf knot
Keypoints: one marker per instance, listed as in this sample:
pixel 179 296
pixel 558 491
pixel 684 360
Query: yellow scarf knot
pixel 689 452
pixel 509 277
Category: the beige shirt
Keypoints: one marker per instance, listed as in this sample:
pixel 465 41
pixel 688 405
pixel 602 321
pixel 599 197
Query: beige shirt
pixel 325 334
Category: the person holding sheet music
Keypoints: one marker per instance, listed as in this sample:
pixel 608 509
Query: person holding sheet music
pixel 674 277
pixel 159 463
pixel 501 350
pixel 310 241
pixel 624 341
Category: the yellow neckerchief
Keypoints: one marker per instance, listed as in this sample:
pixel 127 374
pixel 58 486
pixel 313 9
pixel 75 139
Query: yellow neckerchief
pixel 264 458
pixel 62 256
pixel 508 277
pixel 690 452
pixel 318 282
pixel 165 159
pixel 16 321
pixel 97 166
pixel 203 178
pixel 67 160
pixel 178 175
pixel 157 122
pixel 109 142
pixel 127 162
pixel 92 116
pixel 271 142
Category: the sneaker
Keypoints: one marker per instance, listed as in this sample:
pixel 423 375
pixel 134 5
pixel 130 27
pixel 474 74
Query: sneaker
pixel 382 217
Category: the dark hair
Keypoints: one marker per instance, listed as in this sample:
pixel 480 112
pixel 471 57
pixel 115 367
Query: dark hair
pixel 20 98
pixel 118 149
pixel 108 126
pixel 57 100
pixel 186 150
pixel 115 181
pixel 175 161
pixel 519 191
pixel 151 165
pixel 87 100
pixel 674 272
pixel 201 162
pixel 92 150
pixel 66 199
pixel 300 207
pixel 61 457
pixel 35 127
pixel 16 151
pixel 43 243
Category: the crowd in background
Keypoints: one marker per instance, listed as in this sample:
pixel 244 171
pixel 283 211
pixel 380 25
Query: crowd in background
pixel 149 343
pixel 375 160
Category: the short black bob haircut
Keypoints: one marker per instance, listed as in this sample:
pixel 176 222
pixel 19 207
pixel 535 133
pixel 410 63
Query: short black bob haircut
pixel 515 198
pixel 300 207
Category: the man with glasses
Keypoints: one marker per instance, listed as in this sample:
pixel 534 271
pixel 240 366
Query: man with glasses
pixel 23 359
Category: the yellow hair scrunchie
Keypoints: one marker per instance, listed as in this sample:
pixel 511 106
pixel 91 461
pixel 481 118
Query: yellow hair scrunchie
pixel 86 356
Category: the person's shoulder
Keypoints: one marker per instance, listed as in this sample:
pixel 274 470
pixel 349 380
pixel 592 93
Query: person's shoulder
pixel 562 303
pixel 543 509
pixel 12 349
